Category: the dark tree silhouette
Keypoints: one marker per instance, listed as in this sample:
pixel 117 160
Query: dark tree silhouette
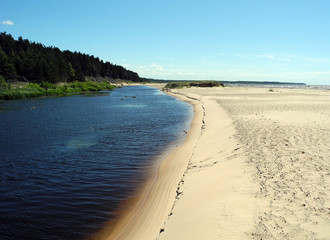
pixel 24 60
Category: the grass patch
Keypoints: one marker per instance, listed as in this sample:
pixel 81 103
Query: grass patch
pixel 34 90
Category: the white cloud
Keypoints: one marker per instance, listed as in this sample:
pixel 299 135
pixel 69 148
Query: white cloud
pixel 156 67
pixel 151 69
pixel 155 70
pixel 127 66
pixel 260 67
pixel 7 22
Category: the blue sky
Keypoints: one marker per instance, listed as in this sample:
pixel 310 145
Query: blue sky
pixel 268 40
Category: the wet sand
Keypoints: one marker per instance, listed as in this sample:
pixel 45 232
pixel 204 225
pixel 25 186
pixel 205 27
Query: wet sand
pixel 255 165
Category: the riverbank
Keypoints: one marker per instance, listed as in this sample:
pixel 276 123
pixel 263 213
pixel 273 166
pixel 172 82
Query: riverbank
pixel 254 165
pixel 144 215
pixel 46 89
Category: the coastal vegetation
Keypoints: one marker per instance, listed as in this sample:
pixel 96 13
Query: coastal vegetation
pixel 29 69
pixel 182 84
pixel 25 61
pixel 33 90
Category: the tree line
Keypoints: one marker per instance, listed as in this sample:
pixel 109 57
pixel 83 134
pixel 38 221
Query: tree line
pixel 23 60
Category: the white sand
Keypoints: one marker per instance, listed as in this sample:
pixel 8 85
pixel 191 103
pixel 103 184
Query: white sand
pixel 255 165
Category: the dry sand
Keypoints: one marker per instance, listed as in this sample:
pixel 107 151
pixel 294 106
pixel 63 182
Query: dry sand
pixel 255 165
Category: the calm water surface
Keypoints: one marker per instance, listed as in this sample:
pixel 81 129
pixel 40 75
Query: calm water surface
pixel 66 163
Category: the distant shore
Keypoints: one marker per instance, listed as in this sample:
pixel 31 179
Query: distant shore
pixel 254 165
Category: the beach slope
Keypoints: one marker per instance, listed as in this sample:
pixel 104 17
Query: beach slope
pixel 254 165
pixel 275 184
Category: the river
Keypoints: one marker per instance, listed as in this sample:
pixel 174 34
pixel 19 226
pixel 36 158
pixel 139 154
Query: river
pixel 66 163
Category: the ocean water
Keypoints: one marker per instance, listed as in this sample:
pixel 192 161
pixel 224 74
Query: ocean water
pixel 292 86
pixel 66 163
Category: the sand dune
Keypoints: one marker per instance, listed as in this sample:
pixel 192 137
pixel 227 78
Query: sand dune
pixel 255 165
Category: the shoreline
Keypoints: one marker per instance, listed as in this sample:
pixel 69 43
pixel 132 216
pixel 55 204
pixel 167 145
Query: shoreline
pixel 274 184
pixel 217 183
pixel 131 222
pixel 232 178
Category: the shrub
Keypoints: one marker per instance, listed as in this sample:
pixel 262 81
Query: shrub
pixel 47 85
pixel 48 89
pixel 33 87
pixel 193 84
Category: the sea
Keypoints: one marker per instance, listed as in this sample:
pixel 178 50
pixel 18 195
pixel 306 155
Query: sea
pixel 66 163
pixel 292 86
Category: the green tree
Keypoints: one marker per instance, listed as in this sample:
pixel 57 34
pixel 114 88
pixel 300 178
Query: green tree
pixel 72 73
pixel 7 69
pixel 22 59
pixel 4 86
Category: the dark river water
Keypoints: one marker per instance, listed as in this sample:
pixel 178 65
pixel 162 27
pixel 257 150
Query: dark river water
pixel 66 163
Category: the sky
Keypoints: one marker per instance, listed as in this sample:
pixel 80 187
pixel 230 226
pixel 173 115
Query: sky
pixel 233 40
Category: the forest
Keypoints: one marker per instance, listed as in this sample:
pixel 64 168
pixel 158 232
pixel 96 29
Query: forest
pixel 25 61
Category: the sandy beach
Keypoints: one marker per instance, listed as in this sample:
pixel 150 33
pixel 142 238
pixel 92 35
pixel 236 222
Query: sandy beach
pixel 254 165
